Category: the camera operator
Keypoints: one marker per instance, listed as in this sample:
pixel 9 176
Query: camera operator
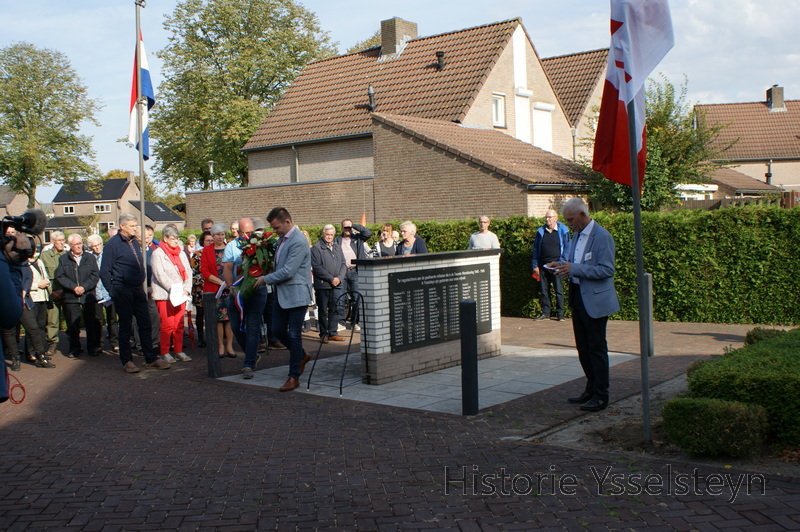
pixel 16 249
pixel 351 241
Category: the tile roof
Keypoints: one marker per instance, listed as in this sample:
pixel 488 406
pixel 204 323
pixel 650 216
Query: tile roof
pixel 6 195
pixel 574 78
pixel 491 149
pixel 739 181
pixel 762 134
pixel 64 222
pixel 157 211
pixel 109 190
pixel 329 97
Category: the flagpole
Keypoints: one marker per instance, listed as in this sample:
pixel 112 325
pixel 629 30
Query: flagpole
pixel 644 283
pixel 140 107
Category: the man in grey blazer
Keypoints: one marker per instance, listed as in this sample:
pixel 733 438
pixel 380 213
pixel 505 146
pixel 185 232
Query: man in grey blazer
pixel 292 282
pixel 589 263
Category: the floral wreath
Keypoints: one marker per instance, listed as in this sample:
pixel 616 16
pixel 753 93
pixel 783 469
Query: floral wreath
pixel 258 257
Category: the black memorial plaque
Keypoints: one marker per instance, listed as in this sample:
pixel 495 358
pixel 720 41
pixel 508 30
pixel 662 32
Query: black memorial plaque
pixel 423 304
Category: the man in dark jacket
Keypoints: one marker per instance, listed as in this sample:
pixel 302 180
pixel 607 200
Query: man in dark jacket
pixel 77 274
pixel 327 263
pixel 11 296
pixel 352 241
pixel 123 274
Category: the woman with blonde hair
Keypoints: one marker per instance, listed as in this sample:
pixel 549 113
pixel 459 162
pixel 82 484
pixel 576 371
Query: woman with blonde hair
pixel 387 245
pixel 411 244
pixel 172 288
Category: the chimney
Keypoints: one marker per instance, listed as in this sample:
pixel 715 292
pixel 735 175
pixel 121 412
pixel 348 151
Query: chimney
pixel 131 177
pixel 395 33
pixel 775 99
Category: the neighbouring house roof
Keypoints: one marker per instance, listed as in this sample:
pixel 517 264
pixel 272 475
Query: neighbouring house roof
pixel 158 212
pixel 490 149
pixel 64 222
pixel 6 195
pixel 329 97
pixel 762 134
pixel 79 191
pixel 574 78
pixel 740 182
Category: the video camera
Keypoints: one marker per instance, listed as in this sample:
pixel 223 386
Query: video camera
pixel 32 222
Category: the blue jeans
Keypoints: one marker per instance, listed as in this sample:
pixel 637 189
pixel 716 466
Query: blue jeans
pixel 546 280
pixel 250 338
pixel 348 307
pixel 288 326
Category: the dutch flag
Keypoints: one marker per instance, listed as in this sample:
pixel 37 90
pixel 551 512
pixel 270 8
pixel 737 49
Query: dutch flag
pixel 147 92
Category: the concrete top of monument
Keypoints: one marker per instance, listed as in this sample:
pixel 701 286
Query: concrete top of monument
pixel 428 257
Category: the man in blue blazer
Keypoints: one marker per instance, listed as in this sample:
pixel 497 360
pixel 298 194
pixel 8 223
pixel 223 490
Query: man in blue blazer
pixel 589 263
pixel 292 282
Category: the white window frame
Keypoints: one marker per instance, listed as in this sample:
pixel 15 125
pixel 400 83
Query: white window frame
pixel 102 208
pixel 498 109
pixel 69 209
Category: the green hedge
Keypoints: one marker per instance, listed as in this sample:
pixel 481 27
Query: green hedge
pixel 766 373
pixel 736 265
pixel 713 427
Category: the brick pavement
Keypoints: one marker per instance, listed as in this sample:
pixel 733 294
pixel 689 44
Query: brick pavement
pixel 95 449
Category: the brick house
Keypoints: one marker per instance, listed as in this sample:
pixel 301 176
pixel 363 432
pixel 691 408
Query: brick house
pixel 578 82
pixel 441 127
pixel 81 205
pixel 13 203
pixel 767 136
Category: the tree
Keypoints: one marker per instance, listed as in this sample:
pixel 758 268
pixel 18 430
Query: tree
pixel 42 106
pixel 371 42
pixel 679 150
pixel 226 65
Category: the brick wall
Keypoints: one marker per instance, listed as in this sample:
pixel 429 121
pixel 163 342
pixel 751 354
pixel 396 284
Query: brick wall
pixel 501 79
pixel 323 160
pixel 309 203
pixel 416 181
pixel 784 173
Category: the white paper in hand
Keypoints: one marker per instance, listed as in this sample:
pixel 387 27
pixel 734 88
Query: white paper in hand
pixel 177 296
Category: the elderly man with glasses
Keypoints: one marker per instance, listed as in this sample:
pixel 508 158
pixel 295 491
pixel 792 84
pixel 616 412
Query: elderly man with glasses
pixel 548 245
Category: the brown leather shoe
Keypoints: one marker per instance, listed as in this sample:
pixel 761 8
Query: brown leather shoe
pixel 158 364
pixel 130 367
pixel 303 363
pixel 336 338
pixel 289 385
pixel 324 339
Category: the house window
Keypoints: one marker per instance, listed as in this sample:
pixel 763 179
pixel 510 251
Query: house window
pixel 104 207
pixel 103 227
pixel 498 110
pixel 69 209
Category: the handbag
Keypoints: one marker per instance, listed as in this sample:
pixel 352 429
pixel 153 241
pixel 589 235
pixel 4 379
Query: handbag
pixel 57 295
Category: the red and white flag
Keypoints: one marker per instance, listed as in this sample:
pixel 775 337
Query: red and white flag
pixel 641 35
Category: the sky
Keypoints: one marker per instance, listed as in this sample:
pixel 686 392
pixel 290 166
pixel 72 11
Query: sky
pixel 729 50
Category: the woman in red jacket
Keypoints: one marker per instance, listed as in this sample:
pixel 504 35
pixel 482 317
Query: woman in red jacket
pixel 211 269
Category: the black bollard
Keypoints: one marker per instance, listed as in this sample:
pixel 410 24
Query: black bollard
pixel 469 357
pixel 210 316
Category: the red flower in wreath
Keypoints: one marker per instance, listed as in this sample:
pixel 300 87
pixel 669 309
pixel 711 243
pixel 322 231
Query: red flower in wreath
pixel 251 250
pixel 255 271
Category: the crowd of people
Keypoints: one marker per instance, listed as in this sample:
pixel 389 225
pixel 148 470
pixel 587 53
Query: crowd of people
pixel 130 302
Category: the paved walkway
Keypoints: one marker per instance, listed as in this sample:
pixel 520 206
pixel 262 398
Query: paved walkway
pixel 93 448
pixel 515 373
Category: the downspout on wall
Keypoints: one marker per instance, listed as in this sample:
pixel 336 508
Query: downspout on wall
pixel 295 174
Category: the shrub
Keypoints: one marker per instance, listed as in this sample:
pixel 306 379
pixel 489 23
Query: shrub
pixel 766 373
pixel 760 333
pixel 694 366
pixel 714 427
